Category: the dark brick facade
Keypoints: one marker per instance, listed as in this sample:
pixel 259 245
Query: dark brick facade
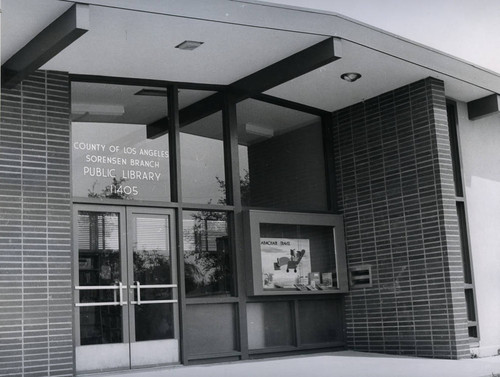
pixel 396 190
pixel 35 230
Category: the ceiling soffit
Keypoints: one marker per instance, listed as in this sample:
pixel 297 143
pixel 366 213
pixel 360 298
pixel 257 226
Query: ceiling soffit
pixel 239 39
pixel 272 16
pixel 146 43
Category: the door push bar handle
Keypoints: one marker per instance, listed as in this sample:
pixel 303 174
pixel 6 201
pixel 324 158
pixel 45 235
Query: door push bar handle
pixel 158 285
pixel 132 286
pixel 94 287
pixel 138 293
pixel 118 286
pixel 138 286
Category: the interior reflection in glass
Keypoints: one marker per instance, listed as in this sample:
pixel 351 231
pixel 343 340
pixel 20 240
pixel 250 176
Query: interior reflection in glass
pixel 118 161
pixel 207 262
pixel 152 266
pixel 99 265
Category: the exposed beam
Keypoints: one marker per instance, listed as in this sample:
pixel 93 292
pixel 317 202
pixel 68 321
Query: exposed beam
pixel 132 81
pixel 483 106
pixel 278 73
pixel 201 109
pixel 48 43
pixel 159 128
pixel 291 105
pixel 289 68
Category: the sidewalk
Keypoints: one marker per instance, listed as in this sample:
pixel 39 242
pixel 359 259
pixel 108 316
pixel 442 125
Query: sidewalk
pixel 338 364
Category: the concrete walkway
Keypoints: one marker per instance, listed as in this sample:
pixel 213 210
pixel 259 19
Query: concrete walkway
pixel 338 364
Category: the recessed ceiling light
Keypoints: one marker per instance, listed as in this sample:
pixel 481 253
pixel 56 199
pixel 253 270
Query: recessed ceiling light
pixel 189 45
pixel 350 76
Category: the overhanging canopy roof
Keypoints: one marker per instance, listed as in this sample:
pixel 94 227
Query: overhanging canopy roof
pixel 137 39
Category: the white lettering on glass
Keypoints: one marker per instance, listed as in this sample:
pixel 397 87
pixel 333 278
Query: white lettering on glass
pixel 99 161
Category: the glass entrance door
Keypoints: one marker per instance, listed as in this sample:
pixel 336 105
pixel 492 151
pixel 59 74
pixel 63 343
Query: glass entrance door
pixel 125 288
pixel 153 309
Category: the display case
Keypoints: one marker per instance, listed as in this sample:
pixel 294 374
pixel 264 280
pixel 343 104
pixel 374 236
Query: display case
pixel 294 253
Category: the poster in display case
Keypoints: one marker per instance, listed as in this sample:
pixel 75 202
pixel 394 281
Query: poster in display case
pixel 284 262
pixel 295 253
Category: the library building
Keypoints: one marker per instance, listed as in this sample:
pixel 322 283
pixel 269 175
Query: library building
pixel 192 182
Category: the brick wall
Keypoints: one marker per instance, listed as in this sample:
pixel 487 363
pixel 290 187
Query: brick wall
pixel 288 171
pixel 35 238
pixel 396 190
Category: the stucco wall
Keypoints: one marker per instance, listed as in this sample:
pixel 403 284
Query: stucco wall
pixel 480 150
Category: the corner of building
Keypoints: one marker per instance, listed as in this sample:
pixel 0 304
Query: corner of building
pixel 396 192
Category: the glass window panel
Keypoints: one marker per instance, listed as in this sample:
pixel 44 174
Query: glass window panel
pixel 154 322
pixel 320 321
pixel 464 242
pixel 152 234
pixel 455 149
pixel 98 253
pixel 117 161
pixel 152 266
pixel 151 255
pixel 211 328
pixel 269 324
pixel 473 331
pixel 207 254
pixel 297 257
pixel 101 325
pixel 99 265
pixel 469 301
pixel 202 161
pixel 111 155
pixel 281 158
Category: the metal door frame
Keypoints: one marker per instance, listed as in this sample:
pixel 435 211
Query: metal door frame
pixel 126 268
pixel 132 285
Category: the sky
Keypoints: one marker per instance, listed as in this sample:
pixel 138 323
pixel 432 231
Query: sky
pixel 466 29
